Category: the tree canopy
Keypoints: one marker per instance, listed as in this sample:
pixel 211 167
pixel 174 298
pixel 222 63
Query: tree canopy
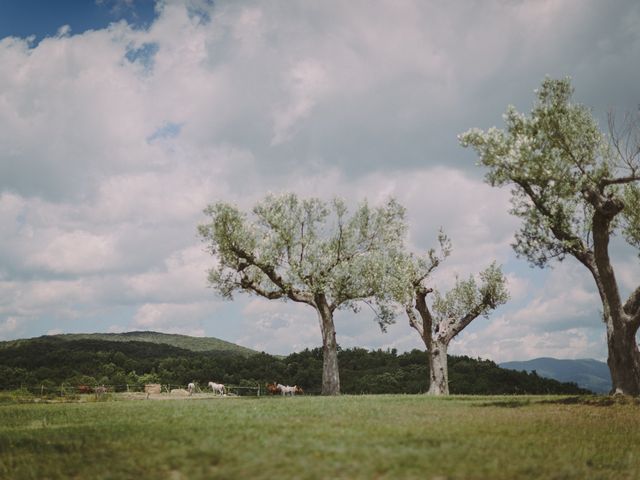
pixel 562 168
pixel 309 251
pixel 573 187
pixel 293 249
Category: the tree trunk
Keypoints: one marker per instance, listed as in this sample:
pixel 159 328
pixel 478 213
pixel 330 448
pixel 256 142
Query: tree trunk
pixel 624 359
pixel 438 372
pixel 330 372
pixel 623 356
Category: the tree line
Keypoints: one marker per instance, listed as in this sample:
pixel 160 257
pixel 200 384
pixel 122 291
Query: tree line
pixel 50 362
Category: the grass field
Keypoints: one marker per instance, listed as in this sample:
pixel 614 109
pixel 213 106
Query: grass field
pixel 314 437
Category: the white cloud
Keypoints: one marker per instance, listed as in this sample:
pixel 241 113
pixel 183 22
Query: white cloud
pixel 306 81
pixel 98 206
pixel 186 319
pixel 75 252
pixel 8 327
pixel 181 280
pixel 279 327
pixel 559 318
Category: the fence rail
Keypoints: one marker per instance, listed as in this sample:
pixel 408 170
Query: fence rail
pixel 68 390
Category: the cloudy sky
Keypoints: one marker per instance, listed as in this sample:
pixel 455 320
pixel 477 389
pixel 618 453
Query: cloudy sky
pixel 121 120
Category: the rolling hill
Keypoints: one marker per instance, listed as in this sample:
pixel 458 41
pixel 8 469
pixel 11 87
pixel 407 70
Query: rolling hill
pixel 185 342
pixel 587 373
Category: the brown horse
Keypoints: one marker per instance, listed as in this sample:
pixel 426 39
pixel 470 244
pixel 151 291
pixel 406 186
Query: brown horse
pixel 272 388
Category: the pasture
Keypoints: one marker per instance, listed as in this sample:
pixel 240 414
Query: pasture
pixel 386 436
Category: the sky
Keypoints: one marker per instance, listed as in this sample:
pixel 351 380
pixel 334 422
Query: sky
pixel 120 120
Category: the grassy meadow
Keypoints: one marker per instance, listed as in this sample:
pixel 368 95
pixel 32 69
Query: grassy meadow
pixel 385 436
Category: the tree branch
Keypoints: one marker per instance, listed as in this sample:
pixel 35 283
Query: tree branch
pixel 294 294
pixel 341 298
pixel 413 320
pixel 618 181
pixel 487 303
pixel 461 323
pixel 435 263
pixel 608 284
pixel 632 305
pixel 256 288
pixel 425 314
pixel 579 250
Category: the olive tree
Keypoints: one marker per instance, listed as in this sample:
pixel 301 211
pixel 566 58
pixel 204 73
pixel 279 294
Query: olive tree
pixel 439 320
pixel 311 252
pixel 574 188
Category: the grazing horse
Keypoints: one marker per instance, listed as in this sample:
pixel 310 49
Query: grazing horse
pixel 286 389
pixel 191 388
pixel 99 391
pixel 85 389
pixel 217 388
pixel 272 388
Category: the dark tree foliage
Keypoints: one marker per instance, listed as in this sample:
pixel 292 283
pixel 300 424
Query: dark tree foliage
pixel 50 361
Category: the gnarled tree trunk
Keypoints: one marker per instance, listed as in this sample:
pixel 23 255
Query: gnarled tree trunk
pixel 330 372
pixel 438 372
pixel 623 359
pixel 623 356
pixel 436 347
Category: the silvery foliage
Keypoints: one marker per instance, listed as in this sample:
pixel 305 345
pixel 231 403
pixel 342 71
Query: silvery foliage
pixel 470 296
pixel 452 311
pixel 294 249
pixel 554 158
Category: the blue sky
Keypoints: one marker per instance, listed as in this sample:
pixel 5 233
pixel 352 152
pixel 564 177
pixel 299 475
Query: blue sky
pixel 43 18
pixel 144 112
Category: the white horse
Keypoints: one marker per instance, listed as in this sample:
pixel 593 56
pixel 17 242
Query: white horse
pixel 191 388
pixel 286 389
pixel 217 388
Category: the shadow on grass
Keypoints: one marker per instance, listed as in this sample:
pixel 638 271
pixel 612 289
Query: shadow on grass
pixel 595 400
pixel 511 403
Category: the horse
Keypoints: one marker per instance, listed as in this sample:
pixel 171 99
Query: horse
pixel 85 389
pixel 217 388
pixel 272 388
pixel 286 389
pixel 191 388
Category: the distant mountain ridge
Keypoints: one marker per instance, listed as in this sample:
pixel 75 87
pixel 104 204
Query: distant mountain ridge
pixel 195 344
pixel 587 373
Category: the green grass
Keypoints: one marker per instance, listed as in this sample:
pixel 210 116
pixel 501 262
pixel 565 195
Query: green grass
pixel 314 437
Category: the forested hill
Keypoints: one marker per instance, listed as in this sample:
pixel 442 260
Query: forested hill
pixel 195 344
pixel 52 360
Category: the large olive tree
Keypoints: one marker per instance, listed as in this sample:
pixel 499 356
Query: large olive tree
pixel 574 188
pixel 308 251
pixel 439 320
